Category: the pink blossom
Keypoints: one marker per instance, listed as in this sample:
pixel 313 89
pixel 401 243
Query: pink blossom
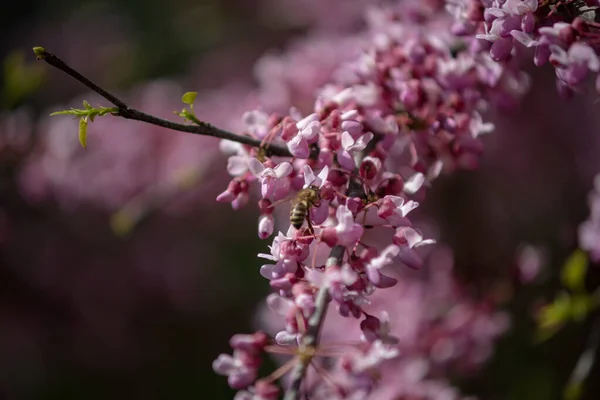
pixel 350 147
pixel 310 178
pixel 346 233
pixel 414 183
pixel 236 194
pixel 376 354
pixel 241 368
pixel 394 210
pixel 270 178
pixel 257 123
pixel 261 390
pixel 408 239
pixel 308 132
pixel 376 264
pixel 574 64
pixel 377 329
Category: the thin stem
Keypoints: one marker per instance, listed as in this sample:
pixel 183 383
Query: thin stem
pixel 125 111
pixel 311 337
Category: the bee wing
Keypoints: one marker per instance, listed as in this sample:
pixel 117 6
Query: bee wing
pixel 284 200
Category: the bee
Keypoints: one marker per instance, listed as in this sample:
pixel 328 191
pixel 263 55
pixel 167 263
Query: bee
pixel 302 202
pixel 301 205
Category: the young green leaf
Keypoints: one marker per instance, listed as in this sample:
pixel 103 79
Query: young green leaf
pixel 574 270
pixel 554 315
pixel 189 97
pixel 83 123
pixel 39 52
pixel 72 111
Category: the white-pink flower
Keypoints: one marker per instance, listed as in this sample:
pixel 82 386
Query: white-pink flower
pixel 414 183
pixel 270 178
pixel 308 133
pixel 394 210
pixel 385 258
pixel 346 232
pixel 350 146
pixel 311 179
pixel 257 123
pixel 408 239
pixel 378 353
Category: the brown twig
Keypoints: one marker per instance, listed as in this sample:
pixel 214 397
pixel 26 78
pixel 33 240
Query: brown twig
pixel 125 111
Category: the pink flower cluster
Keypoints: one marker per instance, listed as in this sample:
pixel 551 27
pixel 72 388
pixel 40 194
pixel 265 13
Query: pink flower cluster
pixel 407 108
pixel 432 324
pixel 564 33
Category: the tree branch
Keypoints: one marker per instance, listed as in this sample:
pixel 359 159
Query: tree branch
pixel 315 322
pixel 311 337
pixel 125 111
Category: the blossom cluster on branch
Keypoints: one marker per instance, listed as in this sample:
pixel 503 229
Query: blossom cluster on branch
pixel 406 109
pixel 564 33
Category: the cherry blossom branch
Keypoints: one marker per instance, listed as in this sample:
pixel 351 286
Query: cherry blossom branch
pixel 311 337
pixel 125 111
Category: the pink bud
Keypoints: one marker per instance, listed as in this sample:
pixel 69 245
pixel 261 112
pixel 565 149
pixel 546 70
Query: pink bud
pixel 284 283
pixel 337 178
pixel 264 207
pixel 369 327
pixel 266 224
pixel 329 236
pixel 354 204
pixel 242 379
pixel 368 170
pixel 266 390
